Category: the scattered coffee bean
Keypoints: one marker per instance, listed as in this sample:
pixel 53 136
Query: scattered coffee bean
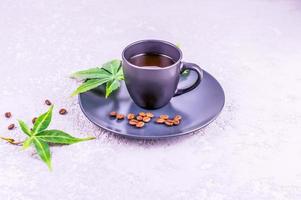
pixel 178 117
pixel 160 120
pixel 63 111
pixel 139 118
pixel 149 114
pixel 48 103
pixel 133 122
pixel 34 120
pixel 11 127
pixel 146 119
pixel 113 114
pixel 7 114
pixel 169 122
pixel 142 114
pixel 176 122
pixel 131 116
pixel 142 118
pixel 140 124
pixel 164 116
pixel 119 116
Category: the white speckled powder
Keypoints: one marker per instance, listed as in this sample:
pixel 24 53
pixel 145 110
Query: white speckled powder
pixel 252 151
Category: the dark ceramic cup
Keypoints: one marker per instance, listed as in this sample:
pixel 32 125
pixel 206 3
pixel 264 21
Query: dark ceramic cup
pixel 153 87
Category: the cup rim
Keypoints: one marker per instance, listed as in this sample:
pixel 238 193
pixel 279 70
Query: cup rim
pixel 150 67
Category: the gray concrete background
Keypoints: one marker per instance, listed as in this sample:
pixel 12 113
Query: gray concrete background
pixel 252 151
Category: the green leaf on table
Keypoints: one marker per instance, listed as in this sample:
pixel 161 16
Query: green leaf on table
pixel 40 137
pixel 89 85
pixel 110 73
pixel 28 142
pixel 59 137
pixel 43 121
pixel 25 128
pixel 43 151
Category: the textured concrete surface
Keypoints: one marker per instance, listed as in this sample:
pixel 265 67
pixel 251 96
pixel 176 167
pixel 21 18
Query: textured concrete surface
pixel 252 151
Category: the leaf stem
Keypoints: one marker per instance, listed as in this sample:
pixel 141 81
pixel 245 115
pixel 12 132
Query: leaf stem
pixel 12 141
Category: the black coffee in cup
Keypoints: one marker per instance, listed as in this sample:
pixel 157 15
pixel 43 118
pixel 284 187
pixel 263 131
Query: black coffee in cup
pixel 151 60
pixel 152 71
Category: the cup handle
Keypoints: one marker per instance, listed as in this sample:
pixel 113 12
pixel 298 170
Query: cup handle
pixel 198 70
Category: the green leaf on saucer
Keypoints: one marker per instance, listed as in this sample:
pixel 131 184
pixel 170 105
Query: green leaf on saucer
pixel 90 74
pixel 110 73
pixel 186 72
pixel 112 66
pixel 89 85
pixel 112 86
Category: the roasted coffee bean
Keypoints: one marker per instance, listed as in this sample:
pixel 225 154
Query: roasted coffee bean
pixel 139 118
pixel 178 117
pixel 140 124
pixel 7 114
pixel 47 102
pixel 164 116
pixel 34 120
pixel 133 122
pixel 131 116
pixel 149 114
pixel 11 127
pixel 176 122
pixel 160 120
pixel 119 116
pixel 142 114
pixel 63 111
pixel 113 114
pixel 146 119
pixel 169 122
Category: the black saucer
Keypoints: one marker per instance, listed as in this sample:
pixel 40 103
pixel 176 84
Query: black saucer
pixel 198 108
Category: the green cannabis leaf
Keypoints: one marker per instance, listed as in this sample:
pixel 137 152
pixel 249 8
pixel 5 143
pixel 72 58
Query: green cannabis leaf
pixel 43 151
pixel 109 73
pixel 59 137
pixel 40 137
